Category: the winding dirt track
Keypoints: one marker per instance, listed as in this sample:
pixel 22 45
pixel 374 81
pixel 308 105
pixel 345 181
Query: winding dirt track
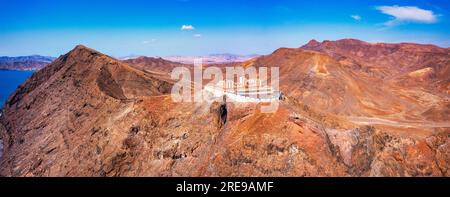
pixel 369 120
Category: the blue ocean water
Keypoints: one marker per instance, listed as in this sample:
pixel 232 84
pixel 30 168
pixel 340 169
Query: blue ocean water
pixel 9 81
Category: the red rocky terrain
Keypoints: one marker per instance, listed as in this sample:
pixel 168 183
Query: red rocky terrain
pixel 351 108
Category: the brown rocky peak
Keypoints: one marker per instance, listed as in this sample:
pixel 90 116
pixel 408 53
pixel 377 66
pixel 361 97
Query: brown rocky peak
pixel 82 52
pixel 328 43
pixel 149 59
pixel 350 41
pixel 152 64
pixel 313 43
pixel 81 47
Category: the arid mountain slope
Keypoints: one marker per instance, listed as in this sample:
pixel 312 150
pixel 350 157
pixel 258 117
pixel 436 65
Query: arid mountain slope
pixel 405 63
pixel 68 96
pixel 150 64
pixel 87 114
pixel 361 80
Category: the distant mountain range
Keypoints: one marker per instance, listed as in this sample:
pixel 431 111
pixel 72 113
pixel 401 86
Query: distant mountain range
pixel 36 62
pixel 211 59
pixel 206 59
pixel 33 62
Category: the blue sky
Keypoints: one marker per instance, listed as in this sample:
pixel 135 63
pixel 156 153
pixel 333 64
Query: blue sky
pixel 155 28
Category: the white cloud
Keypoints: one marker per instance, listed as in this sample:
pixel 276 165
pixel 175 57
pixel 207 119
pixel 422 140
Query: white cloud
pixel 197 35
pixel 403 14
pixel 148 41
pixel 187 27
pixel 356 17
